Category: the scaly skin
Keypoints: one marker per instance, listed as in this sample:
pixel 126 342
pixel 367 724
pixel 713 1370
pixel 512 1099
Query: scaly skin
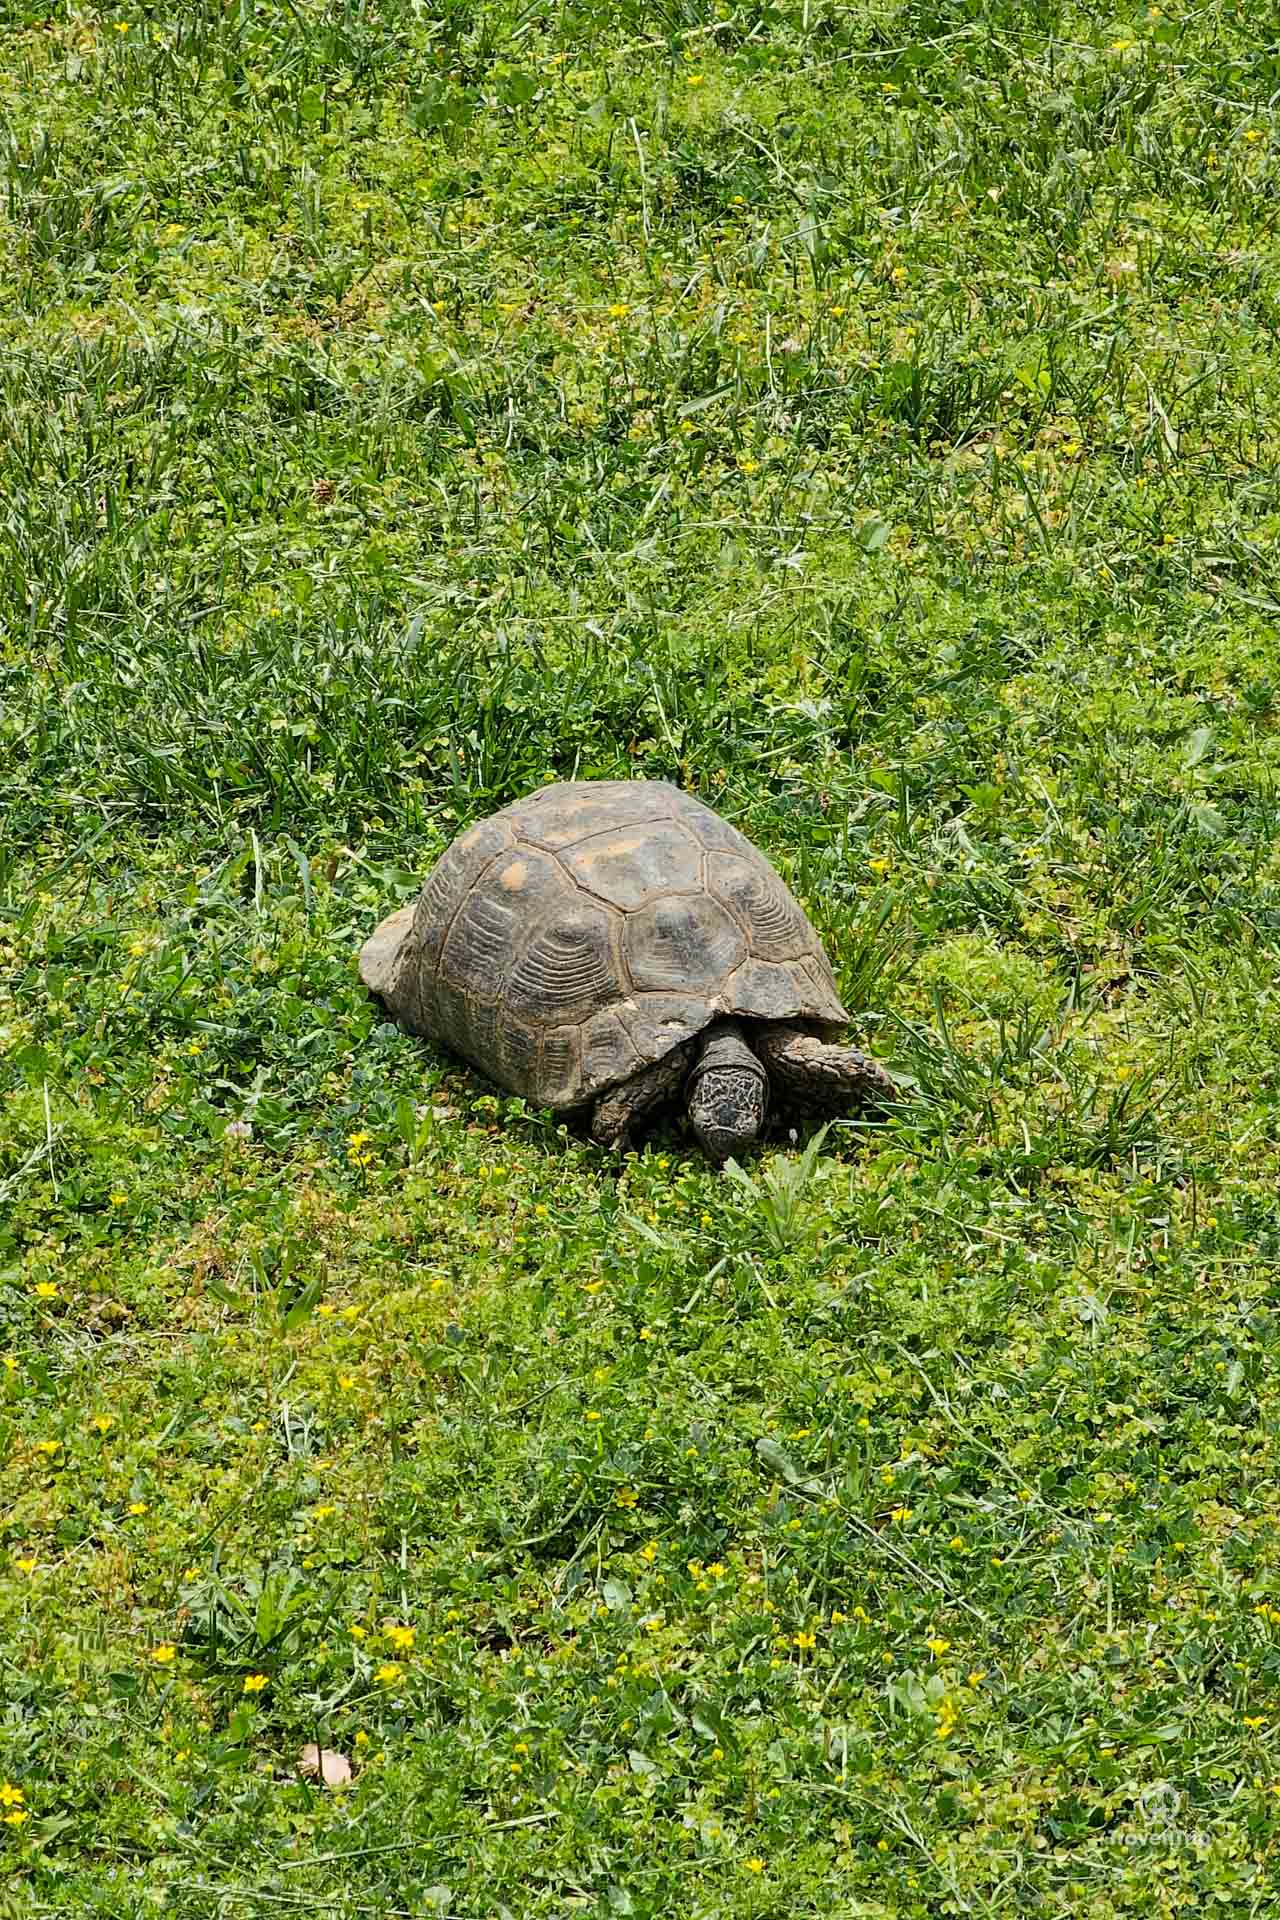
pixel 624 1107
pixel 822 1074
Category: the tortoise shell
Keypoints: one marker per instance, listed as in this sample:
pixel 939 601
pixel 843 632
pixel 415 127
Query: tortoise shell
pixel 582 933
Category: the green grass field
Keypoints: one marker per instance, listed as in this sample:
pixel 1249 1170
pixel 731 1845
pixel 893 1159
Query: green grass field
pixel 866 415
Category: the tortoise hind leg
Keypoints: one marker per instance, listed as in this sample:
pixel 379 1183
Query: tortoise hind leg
pixel 822 1073
pixel 628 1105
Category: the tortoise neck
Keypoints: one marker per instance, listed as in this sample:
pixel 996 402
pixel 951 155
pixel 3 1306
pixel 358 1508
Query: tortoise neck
pixel 724 1044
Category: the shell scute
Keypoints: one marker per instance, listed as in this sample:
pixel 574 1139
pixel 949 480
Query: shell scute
pixel 561 815
pixel 478 946
pixel 567 969
pixel 713 832
pixel 827 1002
pixel 629 866
pixel 657 1022
pixel 689 941
pixel 608 1052
pixel 777 990
pixel 452 878
pixel 559 1079
pixel 510 1053
pixel 775 922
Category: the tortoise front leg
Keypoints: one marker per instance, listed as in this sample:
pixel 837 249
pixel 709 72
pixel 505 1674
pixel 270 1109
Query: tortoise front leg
pixel 823 1073
pixel 625 1107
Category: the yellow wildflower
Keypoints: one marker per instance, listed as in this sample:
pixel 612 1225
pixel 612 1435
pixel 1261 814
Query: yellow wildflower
pixel 255 1682
pixel 163 1655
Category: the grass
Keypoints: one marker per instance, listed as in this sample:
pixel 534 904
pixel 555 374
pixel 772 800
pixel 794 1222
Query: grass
pixel 864 415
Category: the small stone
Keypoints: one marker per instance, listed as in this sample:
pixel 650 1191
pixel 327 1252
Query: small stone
pixel 322 1763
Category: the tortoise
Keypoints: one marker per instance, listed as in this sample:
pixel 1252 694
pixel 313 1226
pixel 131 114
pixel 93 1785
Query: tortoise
pixel 603 947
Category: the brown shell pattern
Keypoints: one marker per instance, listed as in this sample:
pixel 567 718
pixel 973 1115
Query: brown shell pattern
pixel 586 930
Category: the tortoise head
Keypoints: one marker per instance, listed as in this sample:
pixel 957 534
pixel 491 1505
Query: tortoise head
pixel 727 1093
